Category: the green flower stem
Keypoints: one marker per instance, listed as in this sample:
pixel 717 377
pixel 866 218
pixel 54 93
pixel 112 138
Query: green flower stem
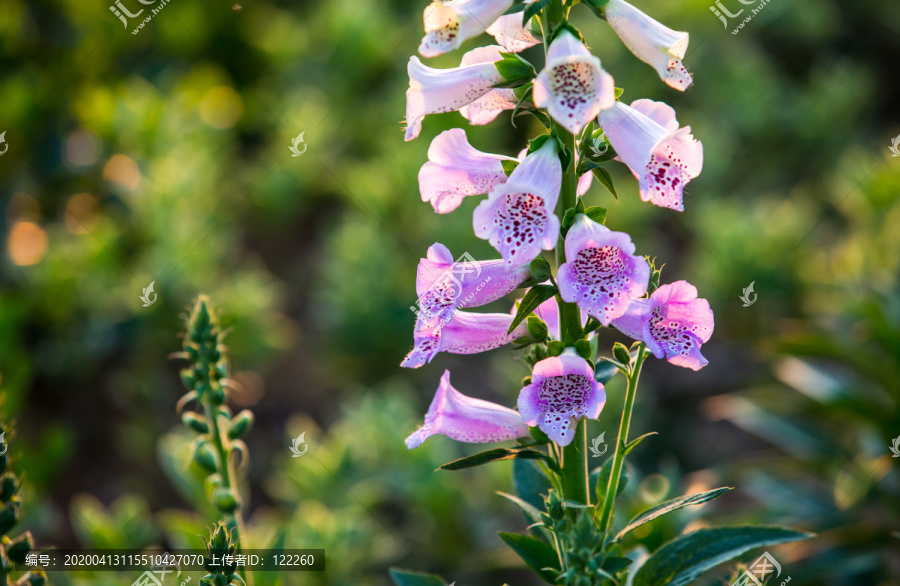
pixel 619 458
pixel 575 466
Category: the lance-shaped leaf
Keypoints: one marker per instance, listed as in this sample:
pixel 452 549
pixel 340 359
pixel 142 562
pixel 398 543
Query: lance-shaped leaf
pixel 539 556
pixel 496 455
pixel 671 505
pixel 535 296
pixel 680 561
pixel 410 578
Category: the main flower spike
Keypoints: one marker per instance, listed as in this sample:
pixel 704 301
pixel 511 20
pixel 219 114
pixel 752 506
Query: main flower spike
pixel 444 285
pixel 673 323
pixel 517 218
pixel 662 156
pixel 573 86
pixel 432 91
pixel 602 274
pixel 511 34
pixel 562 391
pixel 448 24
pixel 465 333
pixel 466 419
pixel 455 170
pixel 650 41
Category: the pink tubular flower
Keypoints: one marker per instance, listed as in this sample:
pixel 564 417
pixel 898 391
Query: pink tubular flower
pixel 455 170
pixel 466 419
pixel 464 333
pixel 448 24
pixel 573 87
pixel 662 156
pixel 511 34
pixel 562 390
pixel 602 274
pixel 653 43
pixel 673 323
pixel 483 110
pixel 432 91
pixel 444 285
pixel 517 218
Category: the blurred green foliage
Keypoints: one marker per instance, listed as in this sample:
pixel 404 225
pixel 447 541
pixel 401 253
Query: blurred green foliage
pixel 163 156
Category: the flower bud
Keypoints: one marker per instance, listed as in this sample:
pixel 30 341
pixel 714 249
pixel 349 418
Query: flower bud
pixel 241 424
pixel 195 422
pixel 7 487
pixel 19 547
pixel 224 500
pixel 205 458
pixel 9 516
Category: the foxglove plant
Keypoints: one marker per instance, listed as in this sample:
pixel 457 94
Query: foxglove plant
pixel 535 203
pixel 219 432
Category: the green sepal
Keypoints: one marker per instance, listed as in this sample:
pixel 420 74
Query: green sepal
pixel 583 348
pixel 515 70
pixel 509 166
pixel 596 213
pixel 537 329
pixel 555 348
pixel 540 269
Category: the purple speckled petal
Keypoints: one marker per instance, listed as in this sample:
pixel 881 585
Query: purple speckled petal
pixel 650 41
pixel 562 390
pixel 518 217
pixel 663 157
pixel 455 170
pixel 573 86
pixel 510 33
pixel 602 274
pixel 483 110
pixel 465 333
pixel 449 24
pixel 466 419
pixel 444 284
pixel 432 91
pixel 673 323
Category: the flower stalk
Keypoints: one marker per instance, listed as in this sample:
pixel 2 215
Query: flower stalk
pixel 219 433
pixel 622 440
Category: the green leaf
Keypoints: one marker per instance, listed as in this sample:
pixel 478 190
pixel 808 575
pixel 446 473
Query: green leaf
pixel 583 347
pixel 592 324
pixel 538 555
pixel 605 179
pixel 537 142
pixel 555 348
pixel 509 166
pixel 682 560
pixel 535 296
pixel 410 578
pixel 619 91
pixel 615 564
pixel 540 269
pixel 669 506
pixel 533 9
pixel 596 213
pixel 537 329
pixel 496 455
pixel 600 478
pixel 530 481
pixel 514 69
pixel 634 443
pixel 597 7
pixel 606 369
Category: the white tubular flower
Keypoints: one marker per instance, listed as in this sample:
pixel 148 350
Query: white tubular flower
pixel 650 41
pixel 448 24
pixel 573 87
